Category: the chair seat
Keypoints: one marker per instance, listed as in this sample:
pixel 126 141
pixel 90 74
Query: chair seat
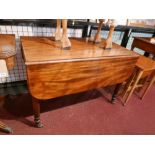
pixel 145 64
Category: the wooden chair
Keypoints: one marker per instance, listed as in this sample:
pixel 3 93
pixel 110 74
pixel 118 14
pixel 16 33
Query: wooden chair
pixel 10 64
pixel 143 75
pixel 7 53
pixel 4 127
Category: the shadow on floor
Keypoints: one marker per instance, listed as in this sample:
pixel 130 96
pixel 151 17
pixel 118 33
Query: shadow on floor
pixel 20 106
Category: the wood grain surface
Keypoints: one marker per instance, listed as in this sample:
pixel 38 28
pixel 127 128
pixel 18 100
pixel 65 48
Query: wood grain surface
pixel 53 72
pixel 47 50
pixel 8 49
pixel 144 44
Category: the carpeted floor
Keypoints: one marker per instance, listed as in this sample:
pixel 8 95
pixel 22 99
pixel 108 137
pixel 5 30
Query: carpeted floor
pixel 83 113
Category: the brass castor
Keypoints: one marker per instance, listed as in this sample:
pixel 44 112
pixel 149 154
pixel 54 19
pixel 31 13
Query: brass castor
pixel 66 48
pixel 38 123
pixel 5 128
pixel 107 48
pixel 113 100
pixel 8 130
pixel 108 44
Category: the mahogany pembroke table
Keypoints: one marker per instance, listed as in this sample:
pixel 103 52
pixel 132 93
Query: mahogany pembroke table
pixel 54 72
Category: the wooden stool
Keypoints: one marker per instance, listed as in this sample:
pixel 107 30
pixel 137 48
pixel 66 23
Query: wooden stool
pixel 144 69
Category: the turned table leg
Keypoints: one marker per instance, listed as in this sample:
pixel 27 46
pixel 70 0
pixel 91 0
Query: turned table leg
pixel 58 34
pixel 36 110
pixel 108 42
pixel 115 93
pixel 66 44
pixel 97 37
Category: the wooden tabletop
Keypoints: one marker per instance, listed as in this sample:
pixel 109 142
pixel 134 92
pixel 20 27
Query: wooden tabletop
pixel 144 43
pixel 46 50
pixel 145 39
pixel 142 25
pixel 7 45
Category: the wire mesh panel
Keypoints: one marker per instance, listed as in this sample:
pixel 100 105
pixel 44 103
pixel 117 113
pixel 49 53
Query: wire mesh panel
pixel 33 29
pixel 19 72
pixel 117 35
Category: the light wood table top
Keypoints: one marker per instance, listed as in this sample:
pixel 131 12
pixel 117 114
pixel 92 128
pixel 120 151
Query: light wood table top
pixel 46 50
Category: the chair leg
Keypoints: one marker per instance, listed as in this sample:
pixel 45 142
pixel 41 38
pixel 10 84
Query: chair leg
pixel 142 82
pixel 128 84
pixel 138 76
pixel 149 85
pixel 5 128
